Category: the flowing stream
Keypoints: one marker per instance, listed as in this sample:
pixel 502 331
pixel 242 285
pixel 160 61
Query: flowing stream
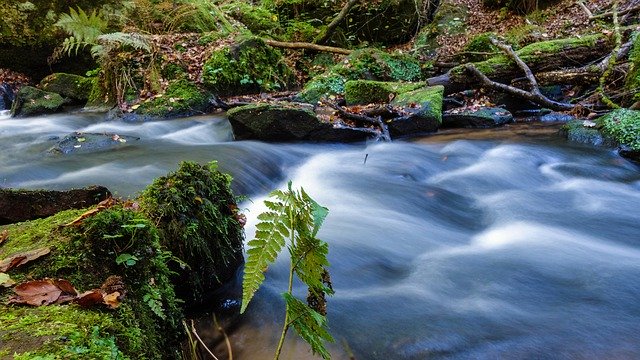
pixel 516 247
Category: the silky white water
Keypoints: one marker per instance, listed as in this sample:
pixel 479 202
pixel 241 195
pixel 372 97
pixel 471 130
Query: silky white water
pixel 461 249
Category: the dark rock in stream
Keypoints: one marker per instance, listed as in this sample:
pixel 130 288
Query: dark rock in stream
pixel 91 142
pixel 6 96
pixel 483 117
pixel 286 122
pixel 18 205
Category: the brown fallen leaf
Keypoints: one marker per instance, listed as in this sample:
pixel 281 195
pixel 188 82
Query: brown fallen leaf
pixel 5 280
pixel 4 236
pixel 90 298
pixel 36 293
pixel 112 300
pixel 104 204
pixel 22 258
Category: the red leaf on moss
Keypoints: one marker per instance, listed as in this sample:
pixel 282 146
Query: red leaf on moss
pixel 36 293
pixel 90 298
pixel 22 258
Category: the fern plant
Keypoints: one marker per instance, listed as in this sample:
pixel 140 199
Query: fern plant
pixel 293 220
pixel 84 30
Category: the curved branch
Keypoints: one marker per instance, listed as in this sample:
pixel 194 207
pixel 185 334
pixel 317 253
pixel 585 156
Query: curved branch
pixel 334 24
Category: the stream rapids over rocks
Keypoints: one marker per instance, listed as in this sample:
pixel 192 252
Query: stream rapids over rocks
pixel 513 247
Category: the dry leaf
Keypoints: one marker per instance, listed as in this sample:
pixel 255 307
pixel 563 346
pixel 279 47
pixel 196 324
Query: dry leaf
pixel 22 258
pixel 36 293
pixel 5 280
pixel 90 298
pixel 4 236
pixel 112 300
pixel 104 204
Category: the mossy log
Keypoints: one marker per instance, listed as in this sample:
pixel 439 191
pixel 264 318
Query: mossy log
pixel 541 57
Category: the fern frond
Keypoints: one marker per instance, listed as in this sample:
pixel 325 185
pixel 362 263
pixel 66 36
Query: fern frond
pixel 311 261
pixel 309 324
pixel 84 28
pixel 263 250
pixel 122 39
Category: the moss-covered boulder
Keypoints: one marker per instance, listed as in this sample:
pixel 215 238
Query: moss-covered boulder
pixel 181 98
pixel 369 91
pixel 364 64
pixel 623 125
pixel 286 122
pixel 21 205
pixel 76 88
pixel 423 108
pixel 246 67
pixel 198 220
pixel 483 117
pixel 586 132
pixel 31 101
pixel 145 325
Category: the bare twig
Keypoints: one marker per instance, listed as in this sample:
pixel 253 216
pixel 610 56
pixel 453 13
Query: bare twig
pixel 585 9
pixel 363 118
pixel 308 46
pixel 226 338
pixel 336 21
pixel 193 330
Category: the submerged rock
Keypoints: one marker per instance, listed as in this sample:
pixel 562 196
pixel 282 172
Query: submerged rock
pixel 31 101
pixel 91 142
pixel 21 205
pixel 483 117
pixel 585 132
pixel 286 122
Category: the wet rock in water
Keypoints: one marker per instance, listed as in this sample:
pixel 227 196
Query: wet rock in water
pixel 18 205
pixel 585 132
pixel 75 88
pixel 629 153
pixel 31 101
pixel 6 96
pixel 423 108
pixel 556 117
pixel 483 117
pixel 91 142
pixel 286 122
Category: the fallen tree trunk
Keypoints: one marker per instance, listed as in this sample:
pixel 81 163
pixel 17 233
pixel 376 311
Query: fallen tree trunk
pixel 543 57
pixel 307 46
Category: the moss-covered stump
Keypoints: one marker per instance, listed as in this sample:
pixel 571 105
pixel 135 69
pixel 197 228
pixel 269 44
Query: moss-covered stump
pixel 246 67
pixel 484 117
pixel 197 217
pixel 20 205
pixel 540 57
pixel 181 98
pixel 76 88
pixel 116 241
pixel 364 64
pixel 80 143
pixel 31 101
pixel 423 108
pixel 286 122
pixel 368 91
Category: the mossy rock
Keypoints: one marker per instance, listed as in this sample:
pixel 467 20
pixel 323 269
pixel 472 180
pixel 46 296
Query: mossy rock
pixel 249 66
pixel 480 48
pixel 181 98
pixel 100 99
pixel 623 125
pixel 369 91
pixel 586 132
pixel 364 64
pixel 145 325
pixel 424 107
pixel 286 122
pixel 449 19
pixel 73 87
pixel 632 80
pixel 483 117
pixel 196 213
pixel 258 19
pixel 31 101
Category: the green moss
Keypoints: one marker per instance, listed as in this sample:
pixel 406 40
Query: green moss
pixel 99 96
pixel 632 81
pixel 428 98
pixel 623 126
pixel 70 86
pixel 523 35
pixel 576 131
pixel 327 84
pixel 258 19
pixel 182 98
pixel 367 91
pixel 31 101
pixel 195 211
pixel 249 66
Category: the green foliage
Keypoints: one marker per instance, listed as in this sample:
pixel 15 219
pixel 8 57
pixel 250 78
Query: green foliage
pixel 632 81
pixel 293 219
pixel 247 67
pixel 181 98
pixel 624 126
pixel 196 215
pixel 256 18
pixel 84 30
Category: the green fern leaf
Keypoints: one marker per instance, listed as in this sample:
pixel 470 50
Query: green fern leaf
pixel 311 261
pixel 121 39
pixel 309 324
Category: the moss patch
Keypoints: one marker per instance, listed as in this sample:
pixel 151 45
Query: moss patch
pixel 74 87
pixel 250 66
pixel 623 126
pixel 429 100
pixel 368 91
pixel 182 98
pixel 632 81
pixel 31 102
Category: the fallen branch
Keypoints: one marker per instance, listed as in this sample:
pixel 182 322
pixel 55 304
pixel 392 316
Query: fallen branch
pixel 336 21
pixel 534 95
pixel 307 46
pixel 193 330
pixel 363 118
pixel 226 338
pixel 613 12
